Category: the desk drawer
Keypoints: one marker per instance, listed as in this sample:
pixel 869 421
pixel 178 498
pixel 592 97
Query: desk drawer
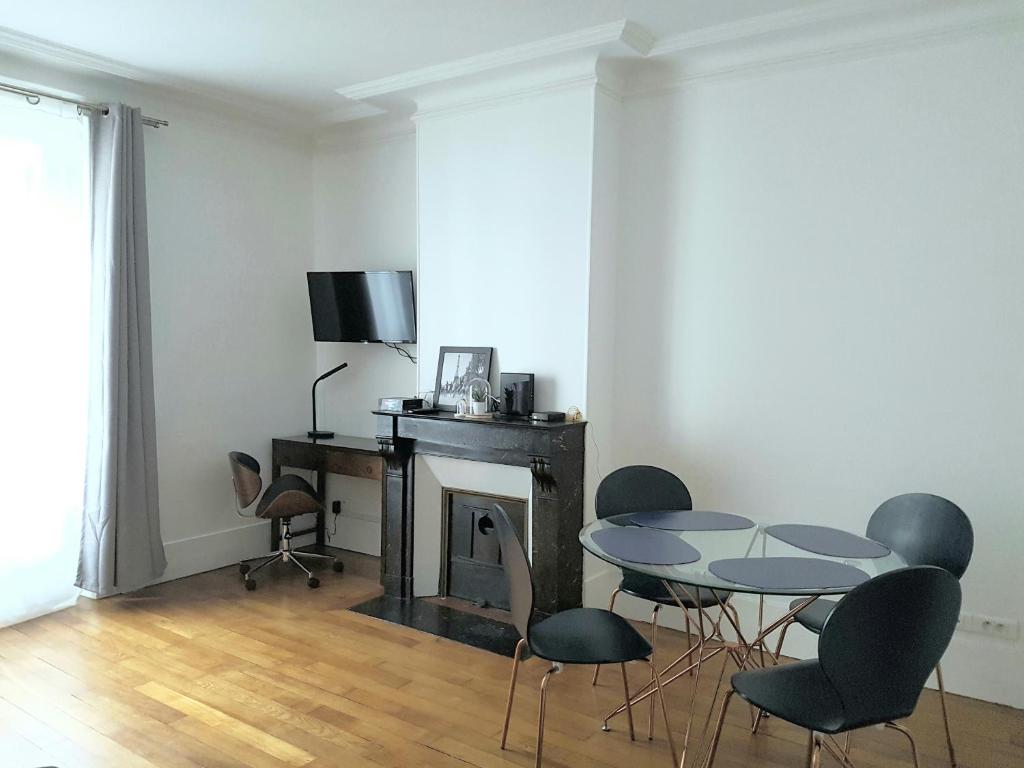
pixel 354 465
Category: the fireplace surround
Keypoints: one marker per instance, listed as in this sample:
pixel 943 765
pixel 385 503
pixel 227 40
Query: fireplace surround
pixel 554 454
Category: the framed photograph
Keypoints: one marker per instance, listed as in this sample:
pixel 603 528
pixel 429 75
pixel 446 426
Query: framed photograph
pixel 456 367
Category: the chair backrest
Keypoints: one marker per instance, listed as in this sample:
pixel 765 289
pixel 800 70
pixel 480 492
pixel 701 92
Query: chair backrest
pixel 640 488
pixel 245 474
pixel 884 638
pixel 925 530
pixel 517 571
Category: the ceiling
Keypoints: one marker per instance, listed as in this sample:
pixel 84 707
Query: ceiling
pixel 295 54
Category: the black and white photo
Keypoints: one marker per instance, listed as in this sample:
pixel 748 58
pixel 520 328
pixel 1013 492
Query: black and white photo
pixel 456 368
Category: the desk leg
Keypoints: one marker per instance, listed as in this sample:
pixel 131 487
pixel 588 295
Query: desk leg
pixel 275 522
pixel 321 516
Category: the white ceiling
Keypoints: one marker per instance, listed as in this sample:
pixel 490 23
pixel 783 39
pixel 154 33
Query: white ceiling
pixel 296 53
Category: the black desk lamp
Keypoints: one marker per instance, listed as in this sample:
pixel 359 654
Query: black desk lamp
pixel 320 434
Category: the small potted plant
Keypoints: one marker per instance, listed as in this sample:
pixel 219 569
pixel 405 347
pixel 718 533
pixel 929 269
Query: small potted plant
pixel 479 397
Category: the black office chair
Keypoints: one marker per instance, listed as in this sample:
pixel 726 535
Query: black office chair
pixel 575 636
pixel 875 653
pixel 285 498
pixel 642 488
pixel 925 530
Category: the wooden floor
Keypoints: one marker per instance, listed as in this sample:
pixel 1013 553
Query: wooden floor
pixel 200 672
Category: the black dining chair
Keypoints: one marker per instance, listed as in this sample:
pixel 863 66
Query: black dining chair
pixel 575 636
pixel 924 529
pixel 860 678
pixel 641 488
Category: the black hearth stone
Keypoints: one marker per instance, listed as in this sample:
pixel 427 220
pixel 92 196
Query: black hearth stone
pixel 442 621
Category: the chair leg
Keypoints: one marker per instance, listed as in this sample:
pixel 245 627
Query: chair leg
pixel 718 728
pixel 654 641
pixel 629 707
pixel 512 689
pixel 664 711
pixel 814 751
pixel 543 706
pixel 782 637
pixel 273 559
pixel 910 738
pixel 945 716
pixel 611 607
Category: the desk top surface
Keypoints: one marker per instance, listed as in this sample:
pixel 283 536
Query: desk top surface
pixel 338 442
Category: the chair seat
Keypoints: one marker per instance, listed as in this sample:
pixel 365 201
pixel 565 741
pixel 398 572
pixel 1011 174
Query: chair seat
pixel 587 636
pixel 288 496
pixel 649 588
pixel 814 615
pixel 799 693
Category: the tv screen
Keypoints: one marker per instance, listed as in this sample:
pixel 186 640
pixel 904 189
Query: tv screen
pixel 362 306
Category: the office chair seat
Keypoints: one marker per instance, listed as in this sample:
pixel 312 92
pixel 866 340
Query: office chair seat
pixel 799 693
pixel 649 588
pixel 587 636
pixel 288 496
pixel 813 616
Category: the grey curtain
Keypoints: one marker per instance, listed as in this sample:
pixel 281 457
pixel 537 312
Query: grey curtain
pixel 121 544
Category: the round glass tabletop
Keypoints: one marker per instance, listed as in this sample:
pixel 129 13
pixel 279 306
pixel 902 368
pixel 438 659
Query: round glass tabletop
pixel 750 543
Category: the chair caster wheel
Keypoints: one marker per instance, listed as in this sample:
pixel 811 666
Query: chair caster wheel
pixel 250 585
pixel 313 582
pixel 244 568
pixel 338 566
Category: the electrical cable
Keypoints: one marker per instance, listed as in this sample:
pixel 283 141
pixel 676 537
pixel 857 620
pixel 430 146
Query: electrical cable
pixel 400 350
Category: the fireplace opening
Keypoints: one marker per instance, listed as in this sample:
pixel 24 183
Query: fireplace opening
pixel 471 567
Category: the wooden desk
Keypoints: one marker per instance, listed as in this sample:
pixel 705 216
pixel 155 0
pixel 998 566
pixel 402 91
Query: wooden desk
pixel 341 455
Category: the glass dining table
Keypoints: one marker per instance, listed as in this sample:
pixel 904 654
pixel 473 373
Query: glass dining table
pixel 697 552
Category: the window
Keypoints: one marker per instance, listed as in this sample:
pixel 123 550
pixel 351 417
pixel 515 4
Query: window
pixel 44 327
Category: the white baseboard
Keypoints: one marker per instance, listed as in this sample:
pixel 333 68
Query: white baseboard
pixel 356 533
pixel 974 665
pixel 198 554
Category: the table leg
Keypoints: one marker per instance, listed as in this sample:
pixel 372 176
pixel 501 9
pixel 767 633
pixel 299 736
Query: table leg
pixel 275 522
pixel 321 516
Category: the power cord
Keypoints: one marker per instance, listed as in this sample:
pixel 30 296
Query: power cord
pixel 400 350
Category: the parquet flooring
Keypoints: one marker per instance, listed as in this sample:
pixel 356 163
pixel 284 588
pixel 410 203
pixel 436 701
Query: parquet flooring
pixel 200 673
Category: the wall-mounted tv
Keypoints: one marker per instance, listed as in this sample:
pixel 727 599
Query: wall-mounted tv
pixel 362 306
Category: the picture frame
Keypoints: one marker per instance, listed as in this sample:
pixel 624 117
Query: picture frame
pixel 456 367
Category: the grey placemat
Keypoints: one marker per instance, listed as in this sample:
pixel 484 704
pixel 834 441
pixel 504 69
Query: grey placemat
pixel 691 520
pixel 642 545
pixel 831 542
pixel 788 572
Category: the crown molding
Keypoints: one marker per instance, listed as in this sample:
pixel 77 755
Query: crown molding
pixel 341 138
pixel 628 33
pixel 788 21
pixel 271 115
pixel 793 40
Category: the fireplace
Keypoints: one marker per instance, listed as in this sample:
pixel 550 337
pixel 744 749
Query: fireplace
pixel 539 461
pixel 471 567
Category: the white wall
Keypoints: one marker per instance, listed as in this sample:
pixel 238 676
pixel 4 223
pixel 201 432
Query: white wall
pixel 364 198
pixel 230 238
pixel 504 223
pixel 820 303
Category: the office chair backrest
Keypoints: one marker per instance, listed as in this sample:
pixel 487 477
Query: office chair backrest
pixel 245 473
pixel 884 638
pixel 517 571
pixel 640 488
pixel 925 530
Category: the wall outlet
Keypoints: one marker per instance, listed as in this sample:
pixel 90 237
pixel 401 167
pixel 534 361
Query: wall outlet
pixel 336 507
pixel 992 626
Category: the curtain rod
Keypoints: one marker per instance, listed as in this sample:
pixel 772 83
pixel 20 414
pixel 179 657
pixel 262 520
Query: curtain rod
pixel 33 97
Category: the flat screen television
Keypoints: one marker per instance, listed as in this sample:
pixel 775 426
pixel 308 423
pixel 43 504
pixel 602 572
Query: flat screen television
pixel 362 306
